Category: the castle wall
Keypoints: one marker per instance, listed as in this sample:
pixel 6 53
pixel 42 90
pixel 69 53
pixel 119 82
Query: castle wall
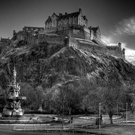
pixel 72 32
pixel 52 39
pixel 76 33
pixel 32 29
pixel 113 51
pixel 86 46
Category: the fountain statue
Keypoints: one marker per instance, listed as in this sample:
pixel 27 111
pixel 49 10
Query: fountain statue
pixel 13 105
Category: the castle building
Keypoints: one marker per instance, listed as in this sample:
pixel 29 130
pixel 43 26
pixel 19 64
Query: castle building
pixel 65 25
pixel 32 29
pixel 95 33
pixel 28 34
pixel 57 22
pixel 4 40
pixel 72 24
pixel 69 28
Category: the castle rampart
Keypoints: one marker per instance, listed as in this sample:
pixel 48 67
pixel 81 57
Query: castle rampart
pixel 115 51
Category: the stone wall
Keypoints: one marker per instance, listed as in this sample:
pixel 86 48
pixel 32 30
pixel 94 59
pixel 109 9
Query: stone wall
pixel 115 51
pixel 77 33
pixel 52 38
pixel 86 46
pixel 74 32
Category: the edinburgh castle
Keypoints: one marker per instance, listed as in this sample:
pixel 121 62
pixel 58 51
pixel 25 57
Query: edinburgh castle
pixel 70 29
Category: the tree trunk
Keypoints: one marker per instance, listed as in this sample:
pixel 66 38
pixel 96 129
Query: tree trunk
pixel 110 116
pixel 40 108
pixel 69 111
pixel 86 111
pixel 132 109
pixel 40 105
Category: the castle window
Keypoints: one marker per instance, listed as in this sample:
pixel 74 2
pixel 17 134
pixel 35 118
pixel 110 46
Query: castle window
pixel 58 23
pixel 65 21
pixel 75 20
pixel 61 21
pixel 53 22
pixel 47 25
pixel 70 20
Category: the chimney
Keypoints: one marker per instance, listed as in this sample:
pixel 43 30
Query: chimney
pixel 14 32
pixel 80 9
pixel 119 45
pixel 123 51
pixel 60 14
pixel 65 13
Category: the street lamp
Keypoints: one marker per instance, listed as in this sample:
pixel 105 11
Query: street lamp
pixel 62 110
pixel 99 113
pixel 126 111
pixel 117 108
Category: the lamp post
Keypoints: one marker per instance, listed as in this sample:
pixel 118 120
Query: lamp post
pixel 117 108
pixel 99 113
pixel 126 111
pixel 62 110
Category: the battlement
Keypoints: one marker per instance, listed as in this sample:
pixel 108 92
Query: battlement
pixel 115 51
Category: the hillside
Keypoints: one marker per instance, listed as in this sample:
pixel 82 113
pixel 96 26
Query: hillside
pixel 46 59
pixel 48 65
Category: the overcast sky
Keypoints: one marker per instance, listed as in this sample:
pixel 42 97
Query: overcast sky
pixel 116 18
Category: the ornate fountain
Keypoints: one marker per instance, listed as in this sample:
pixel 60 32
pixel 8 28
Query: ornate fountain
pixel 13 105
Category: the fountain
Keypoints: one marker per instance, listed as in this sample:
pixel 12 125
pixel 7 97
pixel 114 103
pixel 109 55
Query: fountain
pixel 13 105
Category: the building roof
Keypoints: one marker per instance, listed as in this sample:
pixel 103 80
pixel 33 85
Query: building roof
pixel 75 14
pixel 48 20
pixel 66 15
pixel 112 47
pixel 94 28
pixel 4 39
pixel 33 27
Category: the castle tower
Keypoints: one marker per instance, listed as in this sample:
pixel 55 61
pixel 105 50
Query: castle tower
pixel 119 45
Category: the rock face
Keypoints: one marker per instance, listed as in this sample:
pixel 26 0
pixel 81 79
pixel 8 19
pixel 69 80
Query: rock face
pixel 46 67
pixel 46 63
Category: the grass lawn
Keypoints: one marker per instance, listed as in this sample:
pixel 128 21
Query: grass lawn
pixel 119 129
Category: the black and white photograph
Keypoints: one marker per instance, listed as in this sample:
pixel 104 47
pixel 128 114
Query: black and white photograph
pixel 67 67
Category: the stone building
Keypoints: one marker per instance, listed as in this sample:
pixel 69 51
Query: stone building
pixel 95 32
pixel 29 34
pixel 4 40
pixel 57 22
pixel 65 25
pixel 72 24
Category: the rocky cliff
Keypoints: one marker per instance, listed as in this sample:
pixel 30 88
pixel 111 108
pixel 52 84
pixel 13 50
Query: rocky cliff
pixel 47 62
pixel 42 69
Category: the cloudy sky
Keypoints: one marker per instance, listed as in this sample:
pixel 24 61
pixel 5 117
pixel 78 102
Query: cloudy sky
pixel 116 18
